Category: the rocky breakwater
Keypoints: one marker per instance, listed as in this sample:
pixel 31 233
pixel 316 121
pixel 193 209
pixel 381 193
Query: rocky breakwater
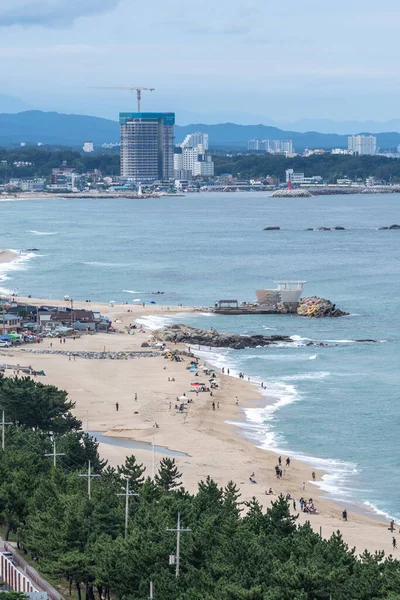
pixel 215 339
pixel 318 307
pixel 96 355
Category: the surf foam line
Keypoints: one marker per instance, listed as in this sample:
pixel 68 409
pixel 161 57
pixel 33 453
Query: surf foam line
pixel 34 232
pixel 259 427
pixel 17 264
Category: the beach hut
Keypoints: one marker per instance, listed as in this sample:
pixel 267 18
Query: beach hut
pixel 145 345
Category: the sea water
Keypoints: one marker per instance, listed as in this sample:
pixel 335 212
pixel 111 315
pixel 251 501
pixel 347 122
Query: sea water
pixel 336 407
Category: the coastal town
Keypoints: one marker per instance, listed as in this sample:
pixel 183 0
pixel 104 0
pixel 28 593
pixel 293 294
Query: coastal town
pixel 192 170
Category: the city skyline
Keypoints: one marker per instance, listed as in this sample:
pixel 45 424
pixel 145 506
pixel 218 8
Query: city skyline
pixel 278 64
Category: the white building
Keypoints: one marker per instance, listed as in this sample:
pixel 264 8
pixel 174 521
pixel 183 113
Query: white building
pixel 28 185
pixel 340 151
pixel 254 144
pixel 88 147
pixel 362 144
pixel 193 161
pixel 271 146
pixel 301 179
pixel 195 139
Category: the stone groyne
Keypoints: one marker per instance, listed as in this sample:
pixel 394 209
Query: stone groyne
pixel 96 355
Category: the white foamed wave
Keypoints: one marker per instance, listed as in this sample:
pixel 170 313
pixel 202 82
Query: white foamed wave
pixel 306 376
pixel 95 263
pixel 18 264
pixel 130 291
pixel 313 357
pixel 298 338
pixel 42 232
pixel 377 511
pixel 337 477
pixel 154 322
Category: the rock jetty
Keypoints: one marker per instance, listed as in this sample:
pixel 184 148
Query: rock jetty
pixel 96 355
pixel 215 339
pixel 318 307
pixel 296 193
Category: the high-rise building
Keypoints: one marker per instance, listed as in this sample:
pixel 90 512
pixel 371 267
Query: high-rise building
pixel 147 146
pixel 272 146
pixel 192 159
pixel 195 139
pixel 362 144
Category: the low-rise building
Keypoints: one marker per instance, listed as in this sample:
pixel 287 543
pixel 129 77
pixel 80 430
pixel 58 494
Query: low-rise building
pixel 9 323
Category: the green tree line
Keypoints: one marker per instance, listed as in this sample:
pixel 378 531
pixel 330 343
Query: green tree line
pixel 330 166
pixel 43 161
pixel 232 550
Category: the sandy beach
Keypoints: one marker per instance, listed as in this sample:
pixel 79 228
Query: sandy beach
pixel 7 256
pixel 212 444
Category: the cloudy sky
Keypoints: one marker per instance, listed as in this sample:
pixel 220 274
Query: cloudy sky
pixel 215 60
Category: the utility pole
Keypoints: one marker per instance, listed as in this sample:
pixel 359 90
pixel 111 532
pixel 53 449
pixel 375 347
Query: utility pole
pixel 54 454
pixel 151 591
pixel 127 494
pixel 89 475
pixel 153 460
pixel 178 532
pixel 3 424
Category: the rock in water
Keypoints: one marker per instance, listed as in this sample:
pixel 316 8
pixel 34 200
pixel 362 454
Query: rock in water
pixel 271 228
pixel 214 339
pixel 318 307
pixel 394 227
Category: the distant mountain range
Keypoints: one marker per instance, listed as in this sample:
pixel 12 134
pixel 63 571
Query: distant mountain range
pixel 53 128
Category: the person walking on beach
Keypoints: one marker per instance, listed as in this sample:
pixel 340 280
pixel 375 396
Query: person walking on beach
pixel 288 462
pixel 294 504
pixel 218 405
pixel 313 475
pixel 344 515
pixel 280 460
pixel 227 371
pixel 117 406
pixel 236 401
pixel 135 397
pixel 213 405
pixel 394 543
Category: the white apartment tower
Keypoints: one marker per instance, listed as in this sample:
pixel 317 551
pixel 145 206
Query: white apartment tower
pixel 362 144
pixel 196 139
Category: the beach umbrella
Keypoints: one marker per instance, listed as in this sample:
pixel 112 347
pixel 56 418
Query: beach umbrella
pixel 197 383
pixel 5 337
pixel 14 335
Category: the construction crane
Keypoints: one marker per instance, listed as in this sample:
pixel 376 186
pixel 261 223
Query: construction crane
pixel 138 90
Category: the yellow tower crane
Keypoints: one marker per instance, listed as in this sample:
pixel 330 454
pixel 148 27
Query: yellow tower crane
pixel 138 90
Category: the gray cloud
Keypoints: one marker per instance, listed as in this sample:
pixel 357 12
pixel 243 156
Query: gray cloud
pixel 51 13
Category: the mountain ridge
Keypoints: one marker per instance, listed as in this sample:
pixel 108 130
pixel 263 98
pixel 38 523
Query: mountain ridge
pixel 35 126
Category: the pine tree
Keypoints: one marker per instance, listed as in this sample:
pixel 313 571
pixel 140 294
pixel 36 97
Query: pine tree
pixel 133 471
pixel 168 476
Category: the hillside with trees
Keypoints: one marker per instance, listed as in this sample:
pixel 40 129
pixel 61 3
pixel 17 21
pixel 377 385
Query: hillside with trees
pixel 230 551
pixel 330 166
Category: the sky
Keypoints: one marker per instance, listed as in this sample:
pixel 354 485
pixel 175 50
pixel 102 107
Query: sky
pixel 212 61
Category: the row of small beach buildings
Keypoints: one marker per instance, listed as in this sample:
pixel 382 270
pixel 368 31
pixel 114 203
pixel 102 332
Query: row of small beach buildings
pixel 25 319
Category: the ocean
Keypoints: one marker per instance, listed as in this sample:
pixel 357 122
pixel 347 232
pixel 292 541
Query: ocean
pixel 336 407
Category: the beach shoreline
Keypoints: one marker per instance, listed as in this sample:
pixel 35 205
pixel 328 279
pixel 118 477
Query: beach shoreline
pixel 213 442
